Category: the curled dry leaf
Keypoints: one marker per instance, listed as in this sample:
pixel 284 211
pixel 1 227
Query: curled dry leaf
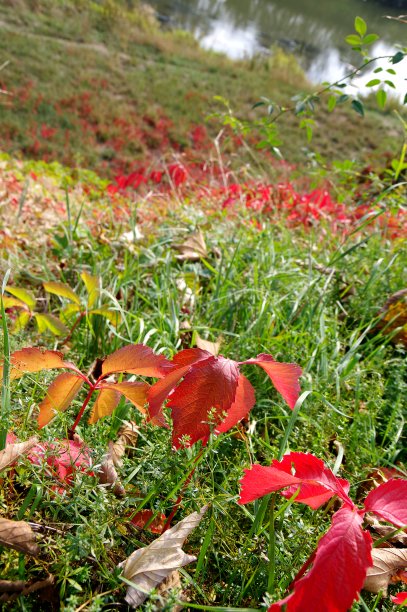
pixel 193 248
pixel 108 476
pixel 394 316
pixel 384 530
pixel 12 452
pixel 388 563
pixel 21 588
pixel 147 567
pixel 18 535
pixel 128 434
pixel 171 583
pixel 212 347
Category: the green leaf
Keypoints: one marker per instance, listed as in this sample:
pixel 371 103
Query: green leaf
pixel 376 70
pixel 342 99
pixel 369 39
pixel 353 40
pixel 331 103
pixel 390 84
pixel 391 71
pixel 381 98
pixel 258 104
pixel 373 82
pixel 360 26
pixel 358 107
pixel 405 99
pixel 398 57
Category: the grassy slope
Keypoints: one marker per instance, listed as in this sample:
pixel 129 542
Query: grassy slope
pixel 127 69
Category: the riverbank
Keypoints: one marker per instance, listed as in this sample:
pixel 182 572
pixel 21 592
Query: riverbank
pixel 105 88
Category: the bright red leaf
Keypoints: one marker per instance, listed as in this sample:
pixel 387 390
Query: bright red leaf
pixel 400 598
pixel 389 501
pixel 144 520
pixel 339 568
pixel 213 393
pixel 64 458
pixel 317 483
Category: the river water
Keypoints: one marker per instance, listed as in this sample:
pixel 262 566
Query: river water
pixel 313 30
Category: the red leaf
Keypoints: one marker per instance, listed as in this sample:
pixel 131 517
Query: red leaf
pixel 242 404
pixel 210 384
pixel 389 501
pixel 400 598
pixel 63 457
pixel 317 482
pixel 140 519
pixel 210 391
pixel 339 569
pixel 284 376
pixel 136 359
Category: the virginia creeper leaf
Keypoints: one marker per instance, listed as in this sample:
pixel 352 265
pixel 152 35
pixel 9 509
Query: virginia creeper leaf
pixel 63 457
pixel 12 302
pixel 105 403
pixel 338 570
pixel 22 294
pixel 60 394
pixel 49 321
pixel 35 359
pixel 136 359
pixel 400 598
pixel 241 406
pixel 210 384
pixel 62 290
pixel 389 501
pixel 284 376
pixel 21 321
pixel 317 482
pixel 135 392
pixel 92 287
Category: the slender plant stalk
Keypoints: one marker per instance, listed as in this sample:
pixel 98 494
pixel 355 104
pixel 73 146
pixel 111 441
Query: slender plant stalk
pixel 5 389
pixel 272 546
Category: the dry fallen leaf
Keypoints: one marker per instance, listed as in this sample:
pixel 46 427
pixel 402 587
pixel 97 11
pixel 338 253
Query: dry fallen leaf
pixel 107 475
pixel 128 434
pixel 13 589
pixel 212 347
pixel 385 530
pixel 147 567
pixel 12 452
pixel 394 315
pixel 193 247
pixel 18 535
pixel 387 563
pixel 172 582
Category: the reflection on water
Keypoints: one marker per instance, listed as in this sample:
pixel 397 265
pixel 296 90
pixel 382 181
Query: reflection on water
pixel 313 31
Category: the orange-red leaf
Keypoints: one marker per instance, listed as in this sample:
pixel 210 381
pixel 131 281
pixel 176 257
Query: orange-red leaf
pixel 144 520
pixel 105 403
pixel 135 392
pixel 136 359
pixel 60 394
pixel 242 404
pixel 35 359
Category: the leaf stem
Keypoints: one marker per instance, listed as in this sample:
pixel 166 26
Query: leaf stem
pixel 81 411
pixel 272 546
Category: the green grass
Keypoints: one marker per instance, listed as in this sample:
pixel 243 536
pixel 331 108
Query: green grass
pixel 265 292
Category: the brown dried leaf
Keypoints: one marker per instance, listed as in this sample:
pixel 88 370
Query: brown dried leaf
pixel 193 248
pixel 172 582
pixel 394 315
pixel 148 567
pixel 387 562
pixel 12 452
pixel 128 434
pixel 18 535
pixel 385 530
pixel 108 476
pixel 212 347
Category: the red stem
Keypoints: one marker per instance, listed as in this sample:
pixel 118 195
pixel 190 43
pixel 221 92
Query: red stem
pixel 75 325
pixel 81 411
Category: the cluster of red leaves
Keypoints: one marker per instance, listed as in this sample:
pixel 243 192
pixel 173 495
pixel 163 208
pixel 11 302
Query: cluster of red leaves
pixel 265 202
pixel 343 555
